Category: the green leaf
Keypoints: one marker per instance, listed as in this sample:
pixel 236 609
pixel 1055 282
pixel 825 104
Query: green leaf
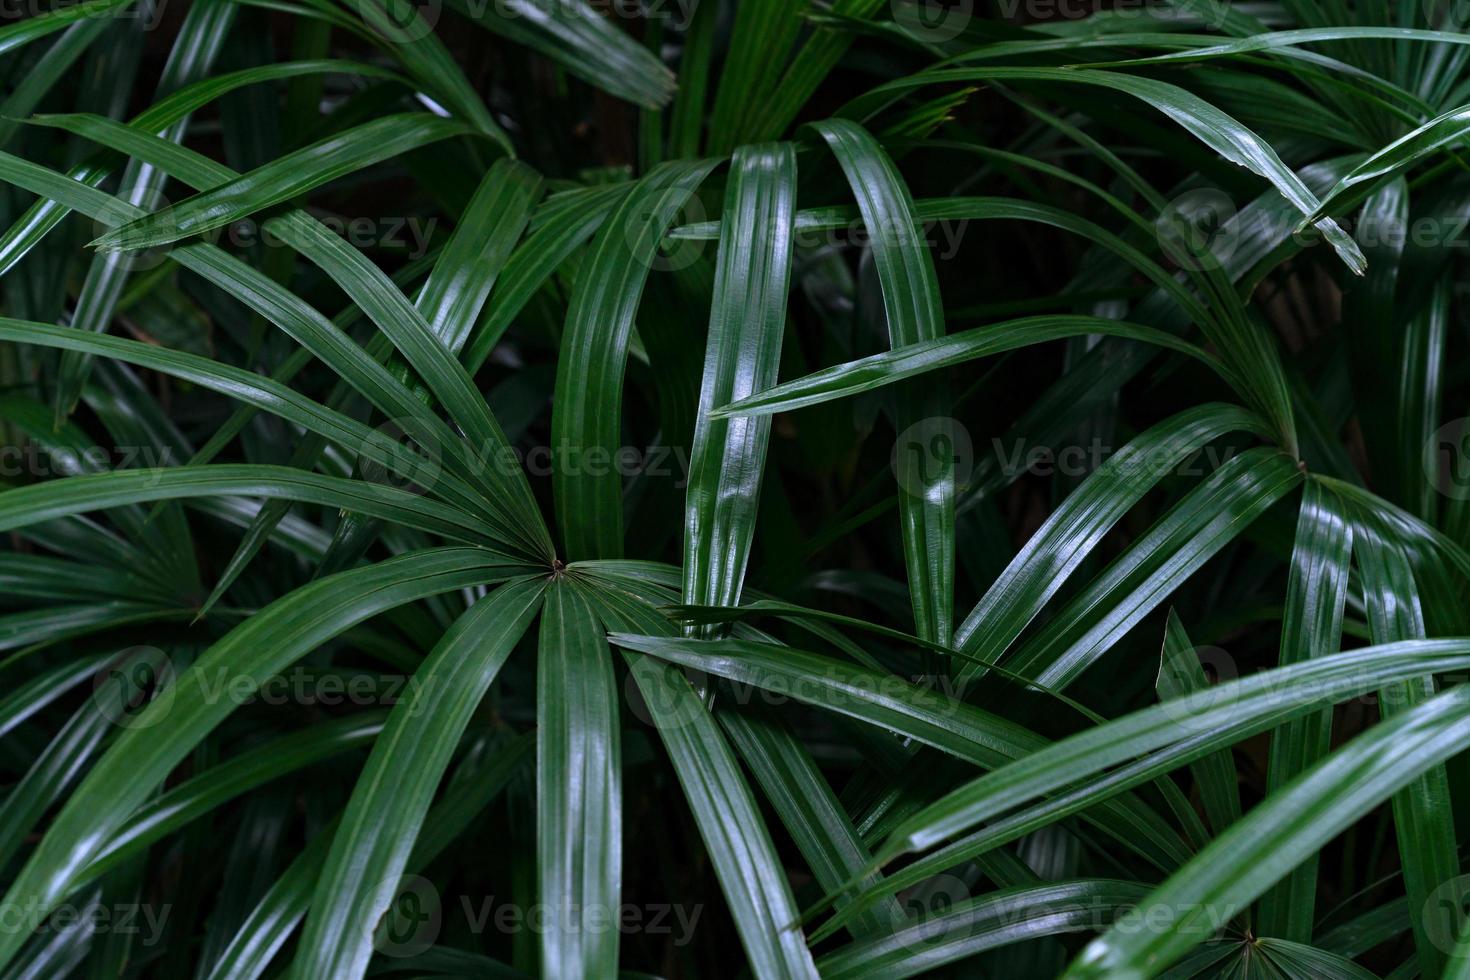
pixel 560 225
pixel 33 28
pixel 199 43
pixel 473 258
pixel 1298 959
pixel 1422 811
pixel 891 703
pixel 686 121
pixel 252 389
pixel 285 310
pixel 65 759
pixel 578 788
pixel 1106 759
pixel 1311 626
pixel 586 416
pixel 283 179
pixel 371 846
pixel 810 811
pixel 964 209
pixel 79 494
pixel 1421 377
pixel 1181 674
pixel 435 363
pixel 1275 40
pixel 761 36
pixel 170 811
pixel 412 42
pixel 1443 130
pixel 284 905
pixel 1213 127
pixel 747 320
pixel 1206 520
pixel 814 60
pixel 43 76
pixel 1279 832
pixel 1077 526
pixel 43 689
pixel 729 820
pixel 28 230
pixel 583 41
pixel 911 360
pixel 1011 915
pixel 912 306
pixel 164 732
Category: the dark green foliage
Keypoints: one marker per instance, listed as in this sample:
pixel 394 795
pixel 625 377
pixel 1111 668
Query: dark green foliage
pixel 736 487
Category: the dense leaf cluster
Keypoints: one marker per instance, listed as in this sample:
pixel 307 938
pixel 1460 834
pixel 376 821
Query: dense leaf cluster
pixel 542 487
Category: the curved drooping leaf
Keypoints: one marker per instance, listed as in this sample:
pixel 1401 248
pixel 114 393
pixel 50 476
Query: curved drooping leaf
pixel 268 926
pixel 911 360
pixel 371 846
pixel 1074 529
pixel 1446 129
pixel 33 226
pixel 1216 129
pixel 282 179
pixel 730 823
pixel 1010 915
pixel 582 41
pixel 1256 852
pixel 33 28
pixel 81 494
pixel 893 703
pixel 187 710
pixel 174 809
